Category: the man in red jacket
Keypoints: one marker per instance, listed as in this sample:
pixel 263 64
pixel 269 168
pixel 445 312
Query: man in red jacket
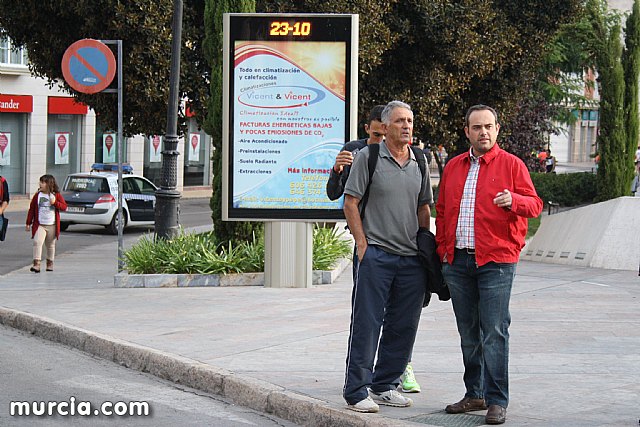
pixel 486 196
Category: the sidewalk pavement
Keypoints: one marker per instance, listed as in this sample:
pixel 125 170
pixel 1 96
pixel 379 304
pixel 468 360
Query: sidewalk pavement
pixel 575 342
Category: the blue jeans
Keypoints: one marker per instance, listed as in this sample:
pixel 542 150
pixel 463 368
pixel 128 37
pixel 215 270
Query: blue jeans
pixel 480 297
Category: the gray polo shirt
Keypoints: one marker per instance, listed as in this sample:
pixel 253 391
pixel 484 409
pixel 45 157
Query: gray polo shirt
pixel 391 218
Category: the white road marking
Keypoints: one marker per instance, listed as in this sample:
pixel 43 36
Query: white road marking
pixel 593 283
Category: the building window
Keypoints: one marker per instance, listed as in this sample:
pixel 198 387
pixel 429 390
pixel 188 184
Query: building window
pixel 10 56
pixel 585 115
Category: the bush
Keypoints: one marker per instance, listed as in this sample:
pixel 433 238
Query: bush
pixel 190 253
pixel 570 189
pixel 328 247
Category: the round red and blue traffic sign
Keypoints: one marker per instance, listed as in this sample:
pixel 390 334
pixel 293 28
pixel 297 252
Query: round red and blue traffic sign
pixel 88 66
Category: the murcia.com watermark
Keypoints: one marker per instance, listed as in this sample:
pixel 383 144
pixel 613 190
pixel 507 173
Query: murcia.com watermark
pixel 73 407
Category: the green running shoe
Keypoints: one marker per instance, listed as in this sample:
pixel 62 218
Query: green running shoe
pixel 409 383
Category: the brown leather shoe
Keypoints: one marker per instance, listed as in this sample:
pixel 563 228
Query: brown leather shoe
pixel 467 404
pixel 496 415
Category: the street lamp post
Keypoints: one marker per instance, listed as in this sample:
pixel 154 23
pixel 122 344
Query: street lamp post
pixel 167 197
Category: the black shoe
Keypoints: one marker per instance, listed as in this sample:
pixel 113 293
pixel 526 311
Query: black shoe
pixel 35 270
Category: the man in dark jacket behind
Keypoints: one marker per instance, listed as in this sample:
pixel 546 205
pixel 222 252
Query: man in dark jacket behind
pixel 340 170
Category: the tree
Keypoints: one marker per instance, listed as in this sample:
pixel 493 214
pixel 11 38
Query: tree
pixel 611 140
pixel 529 131
pixel 47 28
pixel 558 91
pixel 443 56
pixel 561 77
pixel 440 56
pixel 631 64
pixel 226 231
pixel 592 43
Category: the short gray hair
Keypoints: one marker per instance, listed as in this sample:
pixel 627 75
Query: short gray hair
pixel 386 113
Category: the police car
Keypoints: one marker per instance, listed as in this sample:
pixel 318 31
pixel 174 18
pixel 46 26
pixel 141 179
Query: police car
pixel 92 198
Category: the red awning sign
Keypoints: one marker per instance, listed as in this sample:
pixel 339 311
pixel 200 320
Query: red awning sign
pixel 88 66
pixel 65 105
pixel 16 104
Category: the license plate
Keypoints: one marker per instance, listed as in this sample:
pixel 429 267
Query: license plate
pixel 75 209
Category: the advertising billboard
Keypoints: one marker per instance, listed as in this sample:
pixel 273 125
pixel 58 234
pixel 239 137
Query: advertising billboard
pixel 289 106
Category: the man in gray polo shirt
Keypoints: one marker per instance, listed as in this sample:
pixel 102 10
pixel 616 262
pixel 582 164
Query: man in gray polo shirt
pixel 389 284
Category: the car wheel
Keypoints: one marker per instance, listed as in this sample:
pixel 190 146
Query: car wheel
pixel 112 228
pixel 64 226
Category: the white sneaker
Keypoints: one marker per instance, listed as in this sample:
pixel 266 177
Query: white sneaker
pixel 391 398
pixel 365 405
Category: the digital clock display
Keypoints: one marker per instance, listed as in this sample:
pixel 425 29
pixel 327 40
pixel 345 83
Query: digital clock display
pixel 286 28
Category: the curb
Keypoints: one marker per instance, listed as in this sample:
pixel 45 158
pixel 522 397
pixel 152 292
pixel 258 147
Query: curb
pixel 260 395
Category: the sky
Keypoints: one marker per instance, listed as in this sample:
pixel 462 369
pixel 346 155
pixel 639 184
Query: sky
pixel 624 5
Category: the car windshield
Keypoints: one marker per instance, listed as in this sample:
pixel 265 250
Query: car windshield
pixel 82 183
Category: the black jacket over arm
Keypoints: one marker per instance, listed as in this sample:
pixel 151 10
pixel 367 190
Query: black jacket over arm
pixel 431 261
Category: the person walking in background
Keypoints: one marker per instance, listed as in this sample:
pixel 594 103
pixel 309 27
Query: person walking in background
pixel 542 158
pixel 4 195
pixel 43 219
pixel 340 170
pixel 549 162
pixel 389 283
pixel 426 149
pixel 486 196
pixel 4 203
pixel 635 186
pixel 637 160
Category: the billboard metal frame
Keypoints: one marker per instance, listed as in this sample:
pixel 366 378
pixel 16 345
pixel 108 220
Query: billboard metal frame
pixel 284 28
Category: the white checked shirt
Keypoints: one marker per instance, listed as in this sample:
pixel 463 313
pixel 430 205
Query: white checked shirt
pixel 465 235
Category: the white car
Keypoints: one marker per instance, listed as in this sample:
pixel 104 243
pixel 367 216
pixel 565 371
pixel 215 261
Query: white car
pixel 92 198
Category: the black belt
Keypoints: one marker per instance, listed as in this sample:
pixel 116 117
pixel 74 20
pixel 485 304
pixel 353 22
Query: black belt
pixel 470 251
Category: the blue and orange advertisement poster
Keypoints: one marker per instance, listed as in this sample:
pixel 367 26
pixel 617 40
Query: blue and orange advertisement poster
pixel 290 97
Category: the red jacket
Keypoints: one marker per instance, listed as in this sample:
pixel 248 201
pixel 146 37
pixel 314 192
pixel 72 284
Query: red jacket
pixel 499 232
pixel 32 215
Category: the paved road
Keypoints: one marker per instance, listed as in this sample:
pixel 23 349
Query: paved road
pixel 34 370
pixel 16 250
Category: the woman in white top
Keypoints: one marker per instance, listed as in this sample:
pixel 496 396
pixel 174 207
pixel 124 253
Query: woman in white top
pixel 43 219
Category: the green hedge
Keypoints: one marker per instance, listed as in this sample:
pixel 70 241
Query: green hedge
pixel 191 253
pixel 569 189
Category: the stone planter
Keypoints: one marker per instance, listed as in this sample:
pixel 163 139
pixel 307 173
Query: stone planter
pixel 124 280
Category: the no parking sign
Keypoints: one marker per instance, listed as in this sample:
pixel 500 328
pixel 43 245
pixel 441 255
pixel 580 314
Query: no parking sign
pixel 88 66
